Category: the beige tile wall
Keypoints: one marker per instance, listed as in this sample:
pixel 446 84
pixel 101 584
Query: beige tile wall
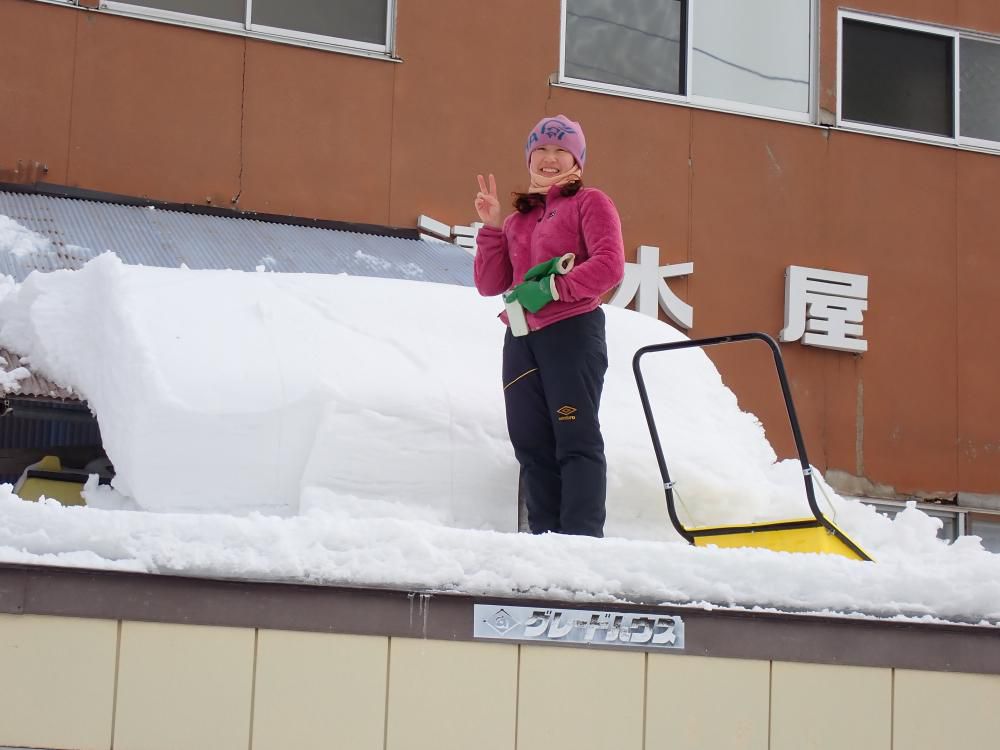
pixel 572 697
pixel 57 681
pixel 945 709
pixel 186 686
pixel 693 702
pixel 76 684
pixel 451 695
pixel 827 707
pixel 319 691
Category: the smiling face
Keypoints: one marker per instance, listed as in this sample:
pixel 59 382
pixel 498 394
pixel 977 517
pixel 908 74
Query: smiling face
pixel 550 160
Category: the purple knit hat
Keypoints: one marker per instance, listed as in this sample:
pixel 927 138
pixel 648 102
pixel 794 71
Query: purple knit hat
pixel 559 131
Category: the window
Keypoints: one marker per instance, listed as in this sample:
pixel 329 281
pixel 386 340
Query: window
pixel 980 86
pixel 898 77
pixel 755 53
pixel 635 44
pixel 358 20
pixel 220 10
pixel 755 57
pixel 987 527
pixel 939 83
pixel 364 25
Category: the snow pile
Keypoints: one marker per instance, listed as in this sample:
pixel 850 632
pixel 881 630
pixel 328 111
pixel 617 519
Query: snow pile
pixel 10 373
pixel 10 380
pixel 351 430
pixel 20 241
pixel 234 392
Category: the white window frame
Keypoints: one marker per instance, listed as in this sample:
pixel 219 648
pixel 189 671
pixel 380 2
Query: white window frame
pixel 693 100
pixel 184 19
pixel 260 31
pixel 956 37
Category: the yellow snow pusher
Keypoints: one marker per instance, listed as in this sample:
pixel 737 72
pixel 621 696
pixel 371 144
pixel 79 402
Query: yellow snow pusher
pixel 813 534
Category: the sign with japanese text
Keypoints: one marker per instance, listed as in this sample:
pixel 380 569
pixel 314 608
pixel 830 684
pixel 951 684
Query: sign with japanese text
pixel 578 626
pixel 824 308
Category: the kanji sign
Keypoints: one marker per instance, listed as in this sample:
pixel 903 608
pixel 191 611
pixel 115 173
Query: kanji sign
pixel 824 308
pixel 647 280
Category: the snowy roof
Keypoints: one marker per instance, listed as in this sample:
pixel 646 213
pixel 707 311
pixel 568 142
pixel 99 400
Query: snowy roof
pixel 75 230
pixel 374 453
pixel 30 383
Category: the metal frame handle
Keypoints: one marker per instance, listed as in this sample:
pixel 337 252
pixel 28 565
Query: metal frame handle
pixel 786 392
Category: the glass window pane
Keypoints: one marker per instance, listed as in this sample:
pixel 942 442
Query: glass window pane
pixel 223 10
pixel 987 527
pixel 755 53
pixel 979 74
pixel 949 525
pixel 898 78
pixel 359 20
pixel 635 43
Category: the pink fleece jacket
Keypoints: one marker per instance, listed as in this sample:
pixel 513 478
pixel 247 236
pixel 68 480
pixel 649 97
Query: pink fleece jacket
pixel 585 224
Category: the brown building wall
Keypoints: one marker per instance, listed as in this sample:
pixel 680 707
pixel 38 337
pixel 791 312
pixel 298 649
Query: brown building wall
pixel 472 75
pixel 155 112
pixel 977 330
pixel 317 137
pixel 37 57
pixel 143 108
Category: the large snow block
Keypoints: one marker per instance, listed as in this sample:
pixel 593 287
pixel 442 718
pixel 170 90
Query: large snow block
pixel 226 391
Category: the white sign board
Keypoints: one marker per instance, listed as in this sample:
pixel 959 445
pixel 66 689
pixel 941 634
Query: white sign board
pixel 578 626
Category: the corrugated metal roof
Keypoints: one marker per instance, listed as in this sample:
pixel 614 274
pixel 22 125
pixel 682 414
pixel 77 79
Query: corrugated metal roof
pixel 81 229
pixel 34 385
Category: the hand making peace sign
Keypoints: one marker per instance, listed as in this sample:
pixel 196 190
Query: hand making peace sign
pixel 487 203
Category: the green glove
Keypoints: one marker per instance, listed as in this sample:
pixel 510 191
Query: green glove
pixel 535 294
pixel 560 264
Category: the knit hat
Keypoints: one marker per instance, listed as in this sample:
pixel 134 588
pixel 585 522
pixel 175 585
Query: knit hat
pixel 558 131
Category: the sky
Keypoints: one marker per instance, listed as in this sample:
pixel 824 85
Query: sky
pixel 334 429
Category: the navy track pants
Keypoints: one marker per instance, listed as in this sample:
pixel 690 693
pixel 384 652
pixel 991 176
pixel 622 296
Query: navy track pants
pixel 553 380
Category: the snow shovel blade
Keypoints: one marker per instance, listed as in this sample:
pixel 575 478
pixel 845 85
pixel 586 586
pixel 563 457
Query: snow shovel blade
pixel 796 535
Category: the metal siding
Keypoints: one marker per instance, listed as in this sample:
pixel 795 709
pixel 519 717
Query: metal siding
pixel 82 229
pixel 19 434
pixel 16 433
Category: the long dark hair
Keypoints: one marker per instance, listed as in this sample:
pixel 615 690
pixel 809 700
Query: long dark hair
pixel 525 202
